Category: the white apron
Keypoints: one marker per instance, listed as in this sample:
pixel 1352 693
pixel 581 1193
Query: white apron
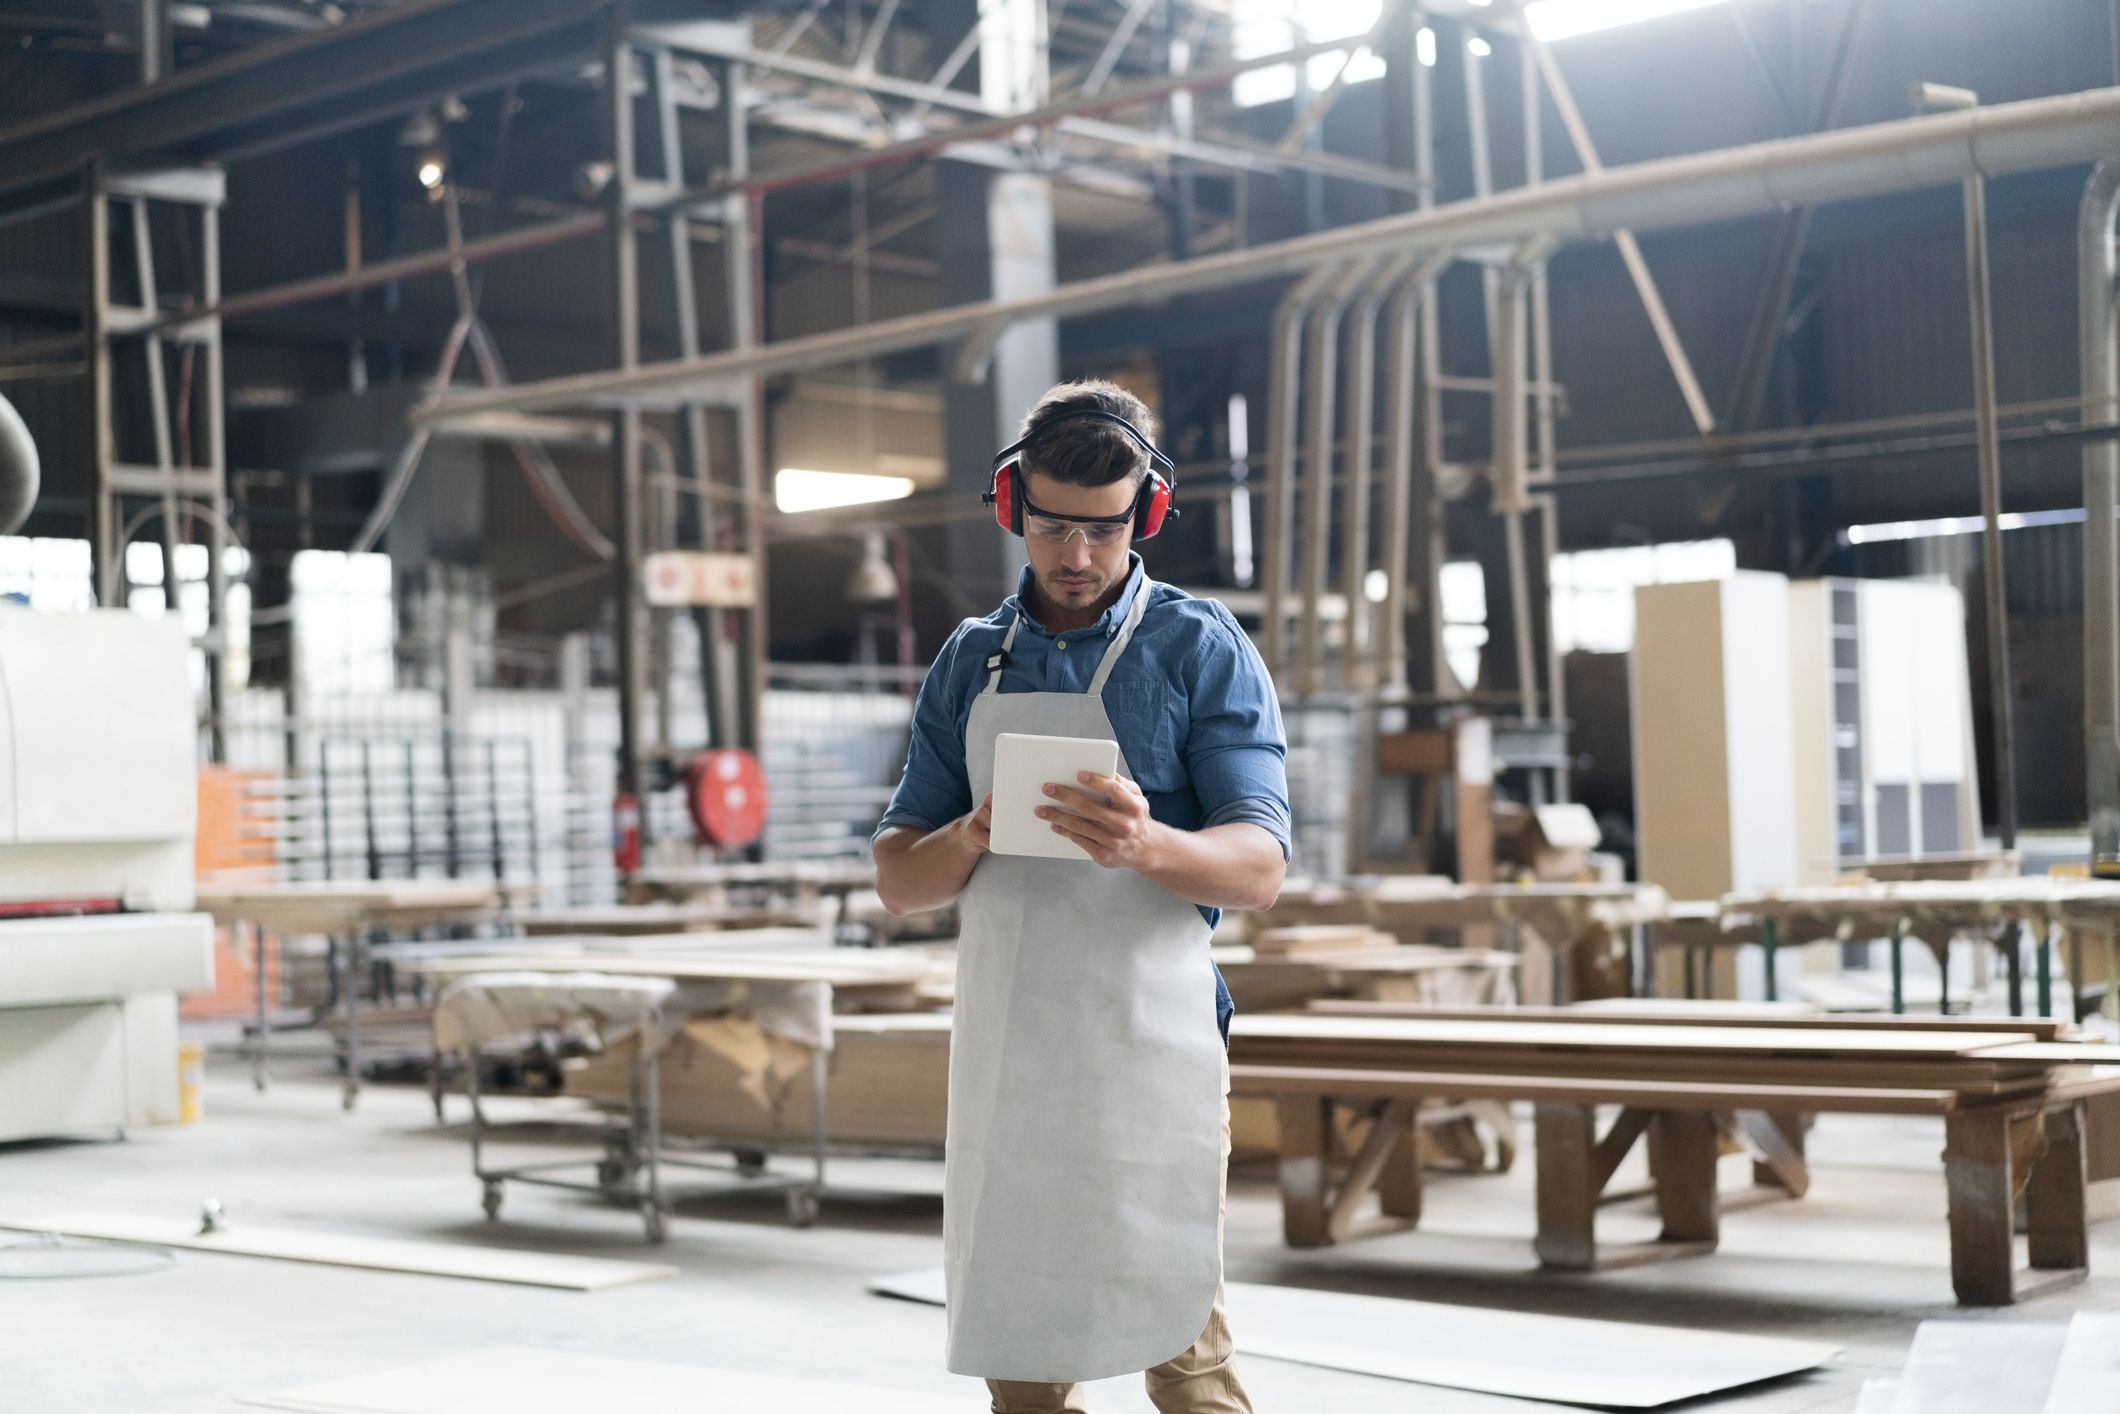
pixel 1084 1152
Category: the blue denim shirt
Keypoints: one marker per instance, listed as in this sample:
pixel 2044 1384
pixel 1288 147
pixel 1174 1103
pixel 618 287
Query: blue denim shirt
pixel 1191 704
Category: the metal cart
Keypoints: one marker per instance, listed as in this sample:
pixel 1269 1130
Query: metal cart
pixel 483 1010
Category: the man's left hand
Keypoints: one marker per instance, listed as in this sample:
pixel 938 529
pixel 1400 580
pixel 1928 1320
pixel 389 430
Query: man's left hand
pixel 1119 834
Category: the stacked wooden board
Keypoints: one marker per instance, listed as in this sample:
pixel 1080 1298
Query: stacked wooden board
pixel 1991 1063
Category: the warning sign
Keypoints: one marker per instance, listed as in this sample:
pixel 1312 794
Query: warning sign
pixel 675 579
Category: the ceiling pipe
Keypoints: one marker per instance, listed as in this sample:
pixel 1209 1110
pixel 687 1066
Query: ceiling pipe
pixel 1321 382
pixel 1847 163
pixel 1283 430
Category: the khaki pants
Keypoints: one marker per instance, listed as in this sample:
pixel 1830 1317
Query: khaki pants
pixel 1200 1380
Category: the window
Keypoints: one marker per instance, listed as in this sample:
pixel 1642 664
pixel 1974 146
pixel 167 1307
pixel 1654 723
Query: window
pixel 1564 19
pixel 345 620
pixel 1593 590
pixel 144 595
pixel 49 575
pixel 1464 592
pixel 1270 26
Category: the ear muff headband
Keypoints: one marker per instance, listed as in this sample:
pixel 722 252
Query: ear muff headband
pixel 1152 505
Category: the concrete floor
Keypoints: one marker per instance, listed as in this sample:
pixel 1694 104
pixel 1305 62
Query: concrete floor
pixel 1858 1263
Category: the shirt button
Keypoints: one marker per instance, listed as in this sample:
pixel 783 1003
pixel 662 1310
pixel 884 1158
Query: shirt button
pixel 1063 645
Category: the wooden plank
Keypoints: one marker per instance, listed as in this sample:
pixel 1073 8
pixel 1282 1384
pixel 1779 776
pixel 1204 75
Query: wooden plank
pixel 1720 1040
pixel 1568 1089
pixel 1976 1170
pixel 1306 1123
pixel 1565 1144
pixel 339 1249
pixel 857 969
pixel 1650 1011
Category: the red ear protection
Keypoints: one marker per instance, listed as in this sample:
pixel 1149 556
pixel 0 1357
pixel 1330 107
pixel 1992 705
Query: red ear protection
pixel 1152 507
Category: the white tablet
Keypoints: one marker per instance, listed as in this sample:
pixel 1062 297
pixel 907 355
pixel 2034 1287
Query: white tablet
pixel 1023 765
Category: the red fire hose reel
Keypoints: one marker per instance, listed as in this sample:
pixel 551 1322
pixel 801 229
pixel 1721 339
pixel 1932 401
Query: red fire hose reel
pixel 726 794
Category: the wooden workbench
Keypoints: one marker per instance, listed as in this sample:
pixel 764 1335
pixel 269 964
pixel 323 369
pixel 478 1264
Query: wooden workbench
pixel 346 911
pixel 1936 911
pixel 1555 927
pixel 2003 1094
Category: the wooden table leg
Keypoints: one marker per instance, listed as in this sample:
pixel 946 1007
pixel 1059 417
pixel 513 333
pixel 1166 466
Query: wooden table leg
pixel 1779 1137
pixel 1565 1137
pixel 1306 1124
pixel 1976 1169
pixel 2055 1194
pixel 1682 1147
pixel 1399 1189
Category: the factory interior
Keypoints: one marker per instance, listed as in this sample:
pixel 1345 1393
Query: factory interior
pixel 511 533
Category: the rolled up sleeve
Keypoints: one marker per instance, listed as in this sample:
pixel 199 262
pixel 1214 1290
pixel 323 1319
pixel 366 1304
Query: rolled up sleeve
pixel 934 788
pixel 1237 751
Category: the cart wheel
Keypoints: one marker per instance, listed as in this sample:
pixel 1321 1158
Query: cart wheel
pixel 750 1162
pixel 349 1096
pixel 615 1175
pixel 657 1224
pixel 490 1200
pixel 802 1207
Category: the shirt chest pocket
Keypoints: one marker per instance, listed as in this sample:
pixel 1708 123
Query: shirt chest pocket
pixel 1148 716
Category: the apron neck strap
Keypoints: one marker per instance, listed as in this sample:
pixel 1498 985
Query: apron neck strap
pixel 1123 637
pixel 994 663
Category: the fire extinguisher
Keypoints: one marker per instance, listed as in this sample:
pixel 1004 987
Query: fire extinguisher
pixel 625 832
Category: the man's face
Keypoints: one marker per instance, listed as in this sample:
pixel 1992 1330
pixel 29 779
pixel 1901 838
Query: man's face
pixel 1073 573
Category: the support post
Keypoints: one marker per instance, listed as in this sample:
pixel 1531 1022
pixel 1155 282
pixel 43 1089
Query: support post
pixel 625 421
pixel 2097 272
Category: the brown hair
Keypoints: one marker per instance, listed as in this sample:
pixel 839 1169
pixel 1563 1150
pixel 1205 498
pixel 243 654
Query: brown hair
pixel 1086 451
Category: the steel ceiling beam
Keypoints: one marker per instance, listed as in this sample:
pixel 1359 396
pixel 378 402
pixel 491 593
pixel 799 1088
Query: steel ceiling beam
pixel 287 92
pixel 1874 160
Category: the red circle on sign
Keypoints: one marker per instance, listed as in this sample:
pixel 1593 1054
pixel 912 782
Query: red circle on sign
pixel 726 793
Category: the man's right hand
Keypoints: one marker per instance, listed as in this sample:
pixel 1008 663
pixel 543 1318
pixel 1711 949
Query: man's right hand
pixel 976 830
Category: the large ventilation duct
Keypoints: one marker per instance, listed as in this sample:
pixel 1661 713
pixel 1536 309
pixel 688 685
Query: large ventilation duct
pixel 18 469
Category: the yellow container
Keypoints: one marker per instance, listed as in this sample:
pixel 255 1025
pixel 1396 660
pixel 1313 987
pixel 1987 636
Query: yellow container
pixel 191 1082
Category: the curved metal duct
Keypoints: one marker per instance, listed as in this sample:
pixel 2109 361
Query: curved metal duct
pixel 18 469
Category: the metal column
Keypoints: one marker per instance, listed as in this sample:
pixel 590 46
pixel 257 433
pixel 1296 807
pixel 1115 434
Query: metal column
pixel 625 420
pixel 2098 270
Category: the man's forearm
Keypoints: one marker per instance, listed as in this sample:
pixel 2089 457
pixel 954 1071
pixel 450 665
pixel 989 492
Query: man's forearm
pixel 1229 866
pixel 918 870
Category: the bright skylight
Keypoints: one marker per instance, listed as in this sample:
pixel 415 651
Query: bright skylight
pixel 1564 19
pixel 1270 26
pixel 795 489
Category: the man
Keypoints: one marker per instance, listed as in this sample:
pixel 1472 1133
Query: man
pixel 1088 1111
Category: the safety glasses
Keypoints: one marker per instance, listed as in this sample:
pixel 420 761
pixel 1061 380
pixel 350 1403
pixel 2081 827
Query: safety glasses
pixel 1097 531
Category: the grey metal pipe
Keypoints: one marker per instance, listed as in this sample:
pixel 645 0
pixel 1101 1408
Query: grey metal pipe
pixel 1321 382
pixel 1283 429
pixel 2097 272
pixel 19 477
pixel 2000 691
pixel 1846 163
pixel 1401 392
pixel 1510 465
pixel 1359 442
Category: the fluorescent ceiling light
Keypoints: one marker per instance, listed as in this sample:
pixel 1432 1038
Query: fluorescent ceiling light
pixel 1480 48
pixel 1424 47
pixel 1564 19
pixel 795 489
pixel 1952 525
